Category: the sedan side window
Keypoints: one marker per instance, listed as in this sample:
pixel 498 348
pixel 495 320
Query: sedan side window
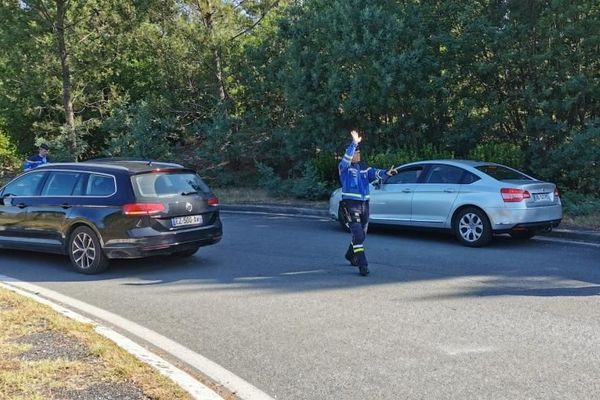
pixel 61 184
pixel 27 185
pixel 100 185
pixel 444 174
pixel 469 178
pixel 407 175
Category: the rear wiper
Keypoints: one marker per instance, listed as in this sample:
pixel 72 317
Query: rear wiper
pixel 189 193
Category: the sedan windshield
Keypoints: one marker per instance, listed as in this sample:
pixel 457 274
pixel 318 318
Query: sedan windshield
pixel 502 173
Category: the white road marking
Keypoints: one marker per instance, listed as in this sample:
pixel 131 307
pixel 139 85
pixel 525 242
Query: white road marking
pixel 567 241
pixel 235 384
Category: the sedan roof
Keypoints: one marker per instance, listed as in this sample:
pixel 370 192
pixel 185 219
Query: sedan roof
pixel 132 166
pixel 458 163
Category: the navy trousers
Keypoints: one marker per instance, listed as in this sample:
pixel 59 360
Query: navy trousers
pixel 357 216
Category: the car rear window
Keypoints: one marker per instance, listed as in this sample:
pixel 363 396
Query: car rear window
pixel 501 173
pixel 159 184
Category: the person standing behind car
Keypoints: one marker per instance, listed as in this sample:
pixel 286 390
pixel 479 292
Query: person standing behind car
pixel 37 159
pixel 355 177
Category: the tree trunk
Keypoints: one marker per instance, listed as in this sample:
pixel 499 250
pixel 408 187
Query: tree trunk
pixel 207 11
pixel 66 75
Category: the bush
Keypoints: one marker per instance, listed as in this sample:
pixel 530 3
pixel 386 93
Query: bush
pixel 307 186
pixel 501 153
pixel 577 204
pixel 10 162
pixel 136 131
pixel 575 165
pixel 406 155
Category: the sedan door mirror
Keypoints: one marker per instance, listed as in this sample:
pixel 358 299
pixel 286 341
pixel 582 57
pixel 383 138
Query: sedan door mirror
pixel 7 199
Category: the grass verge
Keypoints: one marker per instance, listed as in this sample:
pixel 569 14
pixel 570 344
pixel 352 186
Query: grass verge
pixel 44 354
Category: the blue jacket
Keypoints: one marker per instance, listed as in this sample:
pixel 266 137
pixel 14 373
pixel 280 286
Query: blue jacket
pixel 34 161
pixel 355 178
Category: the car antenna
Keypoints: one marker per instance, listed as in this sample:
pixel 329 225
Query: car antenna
pixel 149 162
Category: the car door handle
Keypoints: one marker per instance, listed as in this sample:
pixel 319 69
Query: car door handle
pixel 406 190
pixel 66 205
pixel 21 205
pixel 450 190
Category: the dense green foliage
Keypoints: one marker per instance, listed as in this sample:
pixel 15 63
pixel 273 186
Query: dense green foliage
pixel 264 92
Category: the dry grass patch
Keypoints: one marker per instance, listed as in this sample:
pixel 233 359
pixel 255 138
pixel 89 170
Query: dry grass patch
pixel 259 196
pixel 46 355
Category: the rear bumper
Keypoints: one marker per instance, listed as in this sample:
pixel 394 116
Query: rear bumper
pixel 149 242
pixel 532 226
pixel 505 219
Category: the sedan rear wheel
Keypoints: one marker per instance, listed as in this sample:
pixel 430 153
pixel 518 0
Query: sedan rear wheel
pixel 472 227
pixel 85 251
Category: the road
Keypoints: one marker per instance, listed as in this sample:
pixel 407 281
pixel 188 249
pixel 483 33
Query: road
pixel 276 303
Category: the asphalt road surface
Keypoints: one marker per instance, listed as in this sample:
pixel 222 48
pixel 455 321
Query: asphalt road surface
pixel 277 304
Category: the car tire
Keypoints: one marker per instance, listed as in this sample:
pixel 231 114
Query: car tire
pixel 186 253
pixel 472 227
pixel 522 235
pixel 342 221
pixel 85 251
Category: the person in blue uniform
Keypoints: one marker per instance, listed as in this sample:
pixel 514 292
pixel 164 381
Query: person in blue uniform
pixel 355 177
pixel 37 159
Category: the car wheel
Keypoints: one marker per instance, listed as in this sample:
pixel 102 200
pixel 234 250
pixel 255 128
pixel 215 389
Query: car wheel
pixel 472 227
pixel 85 251
pixel 186 253
pixel 343 221
pixel 522 235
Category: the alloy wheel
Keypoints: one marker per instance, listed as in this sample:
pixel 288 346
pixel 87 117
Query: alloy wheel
pixel 471 227
pixel 83 250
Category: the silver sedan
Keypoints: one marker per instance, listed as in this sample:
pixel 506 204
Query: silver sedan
pixel 475 200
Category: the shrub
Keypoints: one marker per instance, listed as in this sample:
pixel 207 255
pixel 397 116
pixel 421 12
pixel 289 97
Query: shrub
pixel 577 204
pixel 408 154
pixel 10 162
pixel 136 131
pixel 501 153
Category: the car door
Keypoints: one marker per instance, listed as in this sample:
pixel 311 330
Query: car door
pixel 391 201
pixel 49 211
pixel 434 198
pixel 17 197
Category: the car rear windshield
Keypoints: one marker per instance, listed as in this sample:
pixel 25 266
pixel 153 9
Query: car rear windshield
pixel 168 184
pixel 501 173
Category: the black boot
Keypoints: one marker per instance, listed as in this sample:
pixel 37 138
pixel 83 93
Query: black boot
pixel 350 256
pixel 363 269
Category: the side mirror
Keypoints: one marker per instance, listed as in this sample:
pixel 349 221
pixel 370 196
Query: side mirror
pixel 7 200
pixel 377 184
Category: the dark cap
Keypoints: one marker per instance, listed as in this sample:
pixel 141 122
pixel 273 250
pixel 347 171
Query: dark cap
pixel 44 146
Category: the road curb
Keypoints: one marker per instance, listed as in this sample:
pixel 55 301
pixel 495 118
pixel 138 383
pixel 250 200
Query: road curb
pixel 581 235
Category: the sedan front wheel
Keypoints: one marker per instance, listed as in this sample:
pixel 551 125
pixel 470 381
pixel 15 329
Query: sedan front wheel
pixel 472 227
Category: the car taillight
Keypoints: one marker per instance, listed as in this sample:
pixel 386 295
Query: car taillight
pixel 143 208
pixel 213 201
pixel 556 192
pixel 512 195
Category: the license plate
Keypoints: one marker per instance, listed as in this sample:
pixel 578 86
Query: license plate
pixel 541 197
pixel 187 220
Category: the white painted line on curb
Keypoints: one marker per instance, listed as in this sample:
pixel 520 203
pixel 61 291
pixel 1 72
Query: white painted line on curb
pixel 566 241
pixel 222 376
pixel 197 390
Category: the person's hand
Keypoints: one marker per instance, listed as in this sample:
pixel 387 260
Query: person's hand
pixel 392 171
pixel 355 136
